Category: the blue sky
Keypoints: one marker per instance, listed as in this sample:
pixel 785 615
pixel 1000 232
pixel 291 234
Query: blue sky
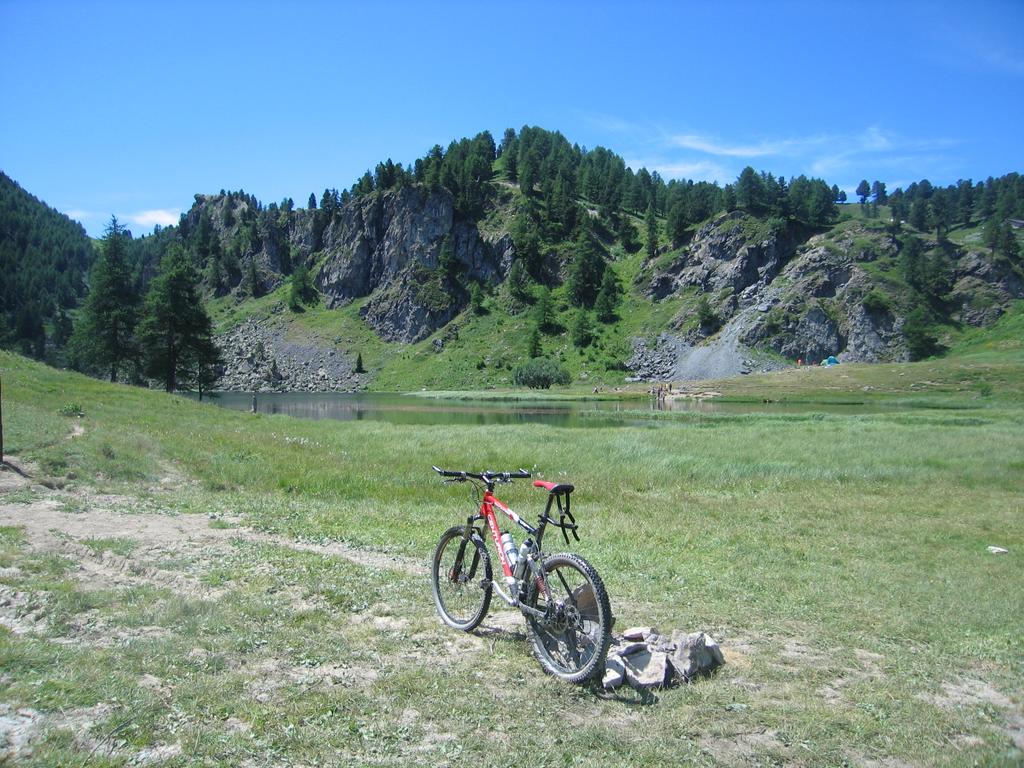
pixel 132 108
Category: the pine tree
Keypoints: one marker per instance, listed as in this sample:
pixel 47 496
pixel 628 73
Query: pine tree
pixel 919 215
pixel 510 153
pixel 301 290
pixel 965 202
pixel 476 299
pixel 176 334
pixel 252 279
pixel 729 198
pixel 1008 245
pixel 586 271
pixel 582 330
pixel 921 339
pixel 706 316
pixel 913 263
pixel 990 235
pixel 750 191
pixel 939 213
pixel 533 346
pixel 518 282
pixel 628 235
pixel 544 312
pixel 608 296
pixel 651 224
pixel 359 363
pixel 878 192
pixel 863 190
pixel 104 338
pixel 311 205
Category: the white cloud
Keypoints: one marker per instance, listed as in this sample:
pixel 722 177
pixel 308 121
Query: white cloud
pixel 790 146
pixel 873 140
pixel 710 147
pixel 609 123
pixel 841 157
pixel 696 171
pixel 165 217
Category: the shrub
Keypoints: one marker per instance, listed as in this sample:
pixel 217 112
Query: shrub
pixel 876 302
pixel 582 330
pixel 920 335
pixel 540 374
pixel 430 289
pixel 706 316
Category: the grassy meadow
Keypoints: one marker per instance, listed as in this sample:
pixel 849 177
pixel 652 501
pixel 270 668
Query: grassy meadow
pixel 841 562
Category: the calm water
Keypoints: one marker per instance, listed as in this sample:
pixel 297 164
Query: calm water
pixel 409 409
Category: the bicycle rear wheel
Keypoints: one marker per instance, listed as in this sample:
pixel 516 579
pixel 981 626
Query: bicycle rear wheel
pixel 461 579
pixel 571 641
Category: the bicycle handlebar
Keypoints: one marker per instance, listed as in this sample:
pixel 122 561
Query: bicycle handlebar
pixel 486 476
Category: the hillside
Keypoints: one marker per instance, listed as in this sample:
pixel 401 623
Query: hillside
pixel 220 587
pixel 44 258
pixel 456 270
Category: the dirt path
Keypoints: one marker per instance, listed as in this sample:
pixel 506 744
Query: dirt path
pixel 61 520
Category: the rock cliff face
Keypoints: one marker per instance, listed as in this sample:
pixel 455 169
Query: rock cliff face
pixel 983 288
pixel 803 297
pixel 388 246
pixel 385 246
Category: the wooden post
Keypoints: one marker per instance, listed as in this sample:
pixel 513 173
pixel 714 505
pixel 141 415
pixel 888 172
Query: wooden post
pixel 1 421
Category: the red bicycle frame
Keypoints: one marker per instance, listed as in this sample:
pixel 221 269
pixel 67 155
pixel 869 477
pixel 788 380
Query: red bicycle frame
pixel 490 501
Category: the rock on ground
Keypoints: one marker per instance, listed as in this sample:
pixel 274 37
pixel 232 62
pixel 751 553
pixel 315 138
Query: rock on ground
pixel 646 659
pixel 260 357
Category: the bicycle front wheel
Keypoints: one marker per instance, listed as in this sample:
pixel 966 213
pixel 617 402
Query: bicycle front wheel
pixel 461 579
pixel 571 641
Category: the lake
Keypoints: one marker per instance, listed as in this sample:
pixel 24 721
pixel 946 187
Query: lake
pixel 412 409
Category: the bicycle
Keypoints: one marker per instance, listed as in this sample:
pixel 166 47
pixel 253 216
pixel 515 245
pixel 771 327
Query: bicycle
pixel 565 603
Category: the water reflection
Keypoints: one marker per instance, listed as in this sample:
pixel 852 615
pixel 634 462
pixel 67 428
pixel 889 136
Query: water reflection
pixel 409 409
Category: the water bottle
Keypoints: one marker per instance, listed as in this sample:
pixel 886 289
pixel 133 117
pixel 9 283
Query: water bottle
pixel 521 565
pixel 509 546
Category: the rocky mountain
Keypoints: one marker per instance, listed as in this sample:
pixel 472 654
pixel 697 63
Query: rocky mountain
pixel 474 259
pixel 388 246
pixel 776 289
pixel 807 295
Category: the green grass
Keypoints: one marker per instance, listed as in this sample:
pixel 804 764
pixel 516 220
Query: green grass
pixel 808 544
pixel 116 545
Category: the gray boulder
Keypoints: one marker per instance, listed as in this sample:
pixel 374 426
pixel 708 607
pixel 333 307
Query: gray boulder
pixel 653 660
pixel 695 654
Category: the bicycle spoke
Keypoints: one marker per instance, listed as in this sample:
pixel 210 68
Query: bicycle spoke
pixel 461 599
pixel 570 643
pixel 565 584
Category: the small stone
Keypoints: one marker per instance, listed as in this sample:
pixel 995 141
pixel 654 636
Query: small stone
pixel 697 653
pixel 631 648
pixel 637 633
pixel 997 550
pixel 647 669
pixel 614 673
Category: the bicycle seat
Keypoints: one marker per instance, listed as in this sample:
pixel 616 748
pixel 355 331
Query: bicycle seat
pixel 555 489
